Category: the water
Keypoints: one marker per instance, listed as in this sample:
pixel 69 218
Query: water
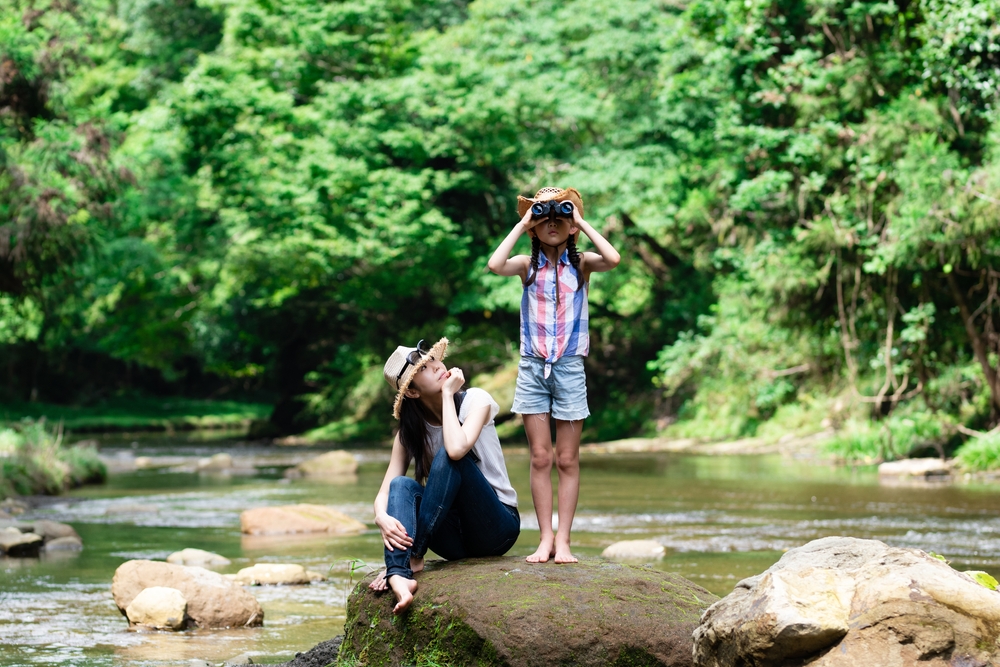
pixel 721 519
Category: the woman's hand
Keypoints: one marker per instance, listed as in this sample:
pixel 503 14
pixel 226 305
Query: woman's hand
pixel 393 533
pixel 456 378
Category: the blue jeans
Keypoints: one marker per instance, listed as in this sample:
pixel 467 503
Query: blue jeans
pixel 457 514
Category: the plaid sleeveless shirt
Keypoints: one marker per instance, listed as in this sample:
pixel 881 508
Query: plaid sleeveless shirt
pixel 554 317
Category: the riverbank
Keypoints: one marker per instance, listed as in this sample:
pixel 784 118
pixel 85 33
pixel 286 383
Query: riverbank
pixel 35 460
pixel 140 414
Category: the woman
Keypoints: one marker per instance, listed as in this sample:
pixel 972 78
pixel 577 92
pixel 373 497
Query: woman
pixel 461 503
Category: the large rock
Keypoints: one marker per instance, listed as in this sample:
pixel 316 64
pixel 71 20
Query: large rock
pixel 213 601
pixel 198 557
pixel 17 544
pixel 275 574
pixel 158 607
pixel 844 602
pixel 503 611
pixel 301 518
pixel 335 464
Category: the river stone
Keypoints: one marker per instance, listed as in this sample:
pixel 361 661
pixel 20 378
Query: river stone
pixel 197 557
pixel 64 544
pixel 503 611
pixel 918 470
pixel 51 530
pixel 634 550
pixel 843 602
pixel 213 600
pixel 158 607
pixel 216 462
pixel 263 574
pixel 16 544
pixel 337 463
pixel 302 518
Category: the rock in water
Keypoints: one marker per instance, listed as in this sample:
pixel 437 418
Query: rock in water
pixel 198 557
pixel 158 607
pixel 15 543
pixel 337 463
pixel 503 611
pixel 302 518
pixel 846 602
pixel 212 600
pixel 634 550
pixel 275 574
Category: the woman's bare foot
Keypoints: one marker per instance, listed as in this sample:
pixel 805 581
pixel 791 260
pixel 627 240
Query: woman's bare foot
pixel 378 584
pixel 416 563
pixel 563 555
pixel 542 553
pixel 403 589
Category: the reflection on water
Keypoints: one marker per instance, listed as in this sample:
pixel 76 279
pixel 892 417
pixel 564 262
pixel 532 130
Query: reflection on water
pixel 721 519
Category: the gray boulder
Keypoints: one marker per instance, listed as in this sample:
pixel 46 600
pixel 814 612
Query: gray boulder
pixel 503 611
pixel 844 602
pixel 64 544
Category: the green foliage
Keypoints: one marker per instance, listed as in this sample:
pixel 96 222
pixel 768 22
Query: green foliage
pixel 893 438
pixel 265 199
pixel 984 579
pixel 978 454
pixel 33 460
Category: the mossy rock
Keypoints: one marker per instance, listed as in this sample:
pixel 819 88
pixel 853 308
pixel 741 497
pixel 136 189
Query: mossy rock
pixel 503 611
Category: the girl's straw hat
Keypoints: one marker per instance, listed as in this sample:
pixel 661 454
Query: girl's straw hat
pixel 404 363
pixel 548 194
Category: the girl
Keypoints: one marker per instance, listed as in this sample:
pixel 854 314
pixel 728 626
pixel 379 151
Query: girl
pixel 461 503
pixel 554 341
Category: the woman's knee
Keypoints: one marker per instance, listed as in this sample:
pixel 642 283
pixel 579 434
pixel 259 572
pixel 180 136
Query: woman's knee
pixel 402 484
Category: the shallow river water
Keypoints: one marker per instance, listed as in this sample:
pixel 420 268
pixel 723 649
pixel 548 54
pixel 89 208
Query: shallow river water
pixel 720 518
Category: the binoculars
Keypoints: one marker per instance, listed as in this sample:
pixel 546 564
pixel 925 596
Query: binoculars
pixel 552 209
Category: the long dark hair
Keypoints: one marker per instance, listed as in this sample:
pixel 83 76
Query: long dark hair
pixel 574 259
pixel 413 417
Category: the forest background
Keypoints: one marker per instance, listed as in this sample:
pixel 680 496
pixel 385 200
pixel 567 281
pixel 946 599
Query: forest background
pixel 254 201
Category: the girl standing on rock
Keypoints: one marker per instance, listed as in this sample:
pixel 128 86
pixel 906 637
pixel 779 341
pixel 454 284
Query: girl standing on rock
pixel 554 340
pixel 461 504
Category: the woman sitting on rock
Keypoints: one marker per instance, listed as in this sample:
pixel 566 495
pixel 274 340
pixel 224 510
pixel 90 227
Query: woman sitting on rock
pixel 461 504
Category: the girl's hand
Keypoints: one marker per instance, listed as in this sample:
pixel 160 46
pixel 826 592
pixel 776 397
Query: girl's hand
pixel 393 533
pixel 527 221
pixel 456 378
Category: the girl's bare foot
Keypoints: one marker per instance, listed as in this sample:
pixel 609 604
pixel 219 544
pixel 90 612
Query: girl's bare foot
pixel 542 553
pixel 379 585
pixel 416 563
pixel 403 589
pixel 563 555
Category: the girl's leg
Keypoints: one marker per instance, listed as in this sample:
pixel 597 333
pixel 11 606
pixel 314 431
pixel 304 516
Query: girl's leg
pixel 536 427
pixel 568 464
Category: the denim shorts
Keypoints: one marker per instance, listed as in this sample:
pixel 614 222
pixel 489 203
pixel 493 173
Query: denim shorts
pixel 563 393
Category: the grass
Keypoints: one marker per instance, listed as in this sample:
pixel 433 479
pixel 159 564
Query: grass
pixel 139 414
pixel 893 438
pixel 34 461
pixel 980 454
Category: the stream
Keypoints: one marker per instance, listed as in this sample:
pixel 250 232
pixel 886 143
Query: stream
pixel 720 518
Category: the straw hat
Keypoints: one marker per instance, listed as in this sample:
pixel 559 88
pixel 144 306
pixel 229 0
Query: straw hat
pixel 548 194
pixel 404 363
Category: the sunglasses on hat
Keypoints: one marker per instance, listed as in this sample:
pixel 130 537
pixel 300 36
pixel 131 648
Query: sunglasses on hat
pixel 413 358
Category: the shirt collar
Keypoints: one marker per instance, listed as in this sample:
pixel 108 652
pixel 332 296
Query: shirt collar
pixel 543 258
